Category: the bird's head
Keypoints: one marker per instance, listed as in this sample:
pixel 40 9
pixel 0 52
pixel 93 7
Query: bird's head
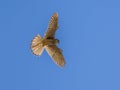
pixel 57 41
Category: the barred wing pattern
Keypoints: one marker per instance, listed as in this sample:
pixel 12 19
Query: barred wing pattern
pixel 36 45
pixel 56 54
pixel 52 27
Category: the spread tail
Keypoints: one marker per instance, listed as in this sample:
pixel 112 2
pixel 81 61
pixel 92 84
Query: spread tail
pixel 36 45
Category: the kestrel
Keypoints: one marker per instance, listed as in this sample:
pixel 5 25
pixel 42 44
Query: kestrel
pixel 49 42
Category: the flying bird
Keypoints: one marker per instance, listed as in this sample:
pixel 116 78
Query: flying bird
pixel 49 42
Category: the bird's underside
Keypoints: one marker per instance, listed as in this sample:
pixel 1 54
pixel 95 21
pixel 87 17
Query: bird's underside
pixel 49 43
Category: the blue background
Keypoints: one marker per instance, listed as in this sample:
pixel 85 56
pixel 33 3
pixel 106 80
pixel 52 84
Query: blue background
pixel 89 34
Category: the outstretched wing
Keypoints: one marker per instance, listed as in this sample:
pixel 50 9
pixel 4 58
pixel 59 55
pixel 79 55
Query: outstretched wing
pixel 36 45
pixel 52 27
pixel 56 54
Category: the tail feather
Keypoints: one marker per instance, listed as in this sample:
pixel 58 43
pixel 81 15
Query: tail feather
pixel 36 45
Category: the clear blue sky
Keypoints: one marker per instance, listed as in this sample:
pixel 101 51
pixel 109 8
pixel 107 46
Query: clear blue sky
pixel 89 34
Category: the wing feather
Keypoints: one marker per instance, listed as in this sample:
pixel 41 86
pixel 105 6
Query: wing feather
pixel 52 27
pixel 56 54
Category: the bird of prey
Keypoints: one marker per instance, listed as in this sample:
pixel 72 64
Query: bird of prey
pixel 49 42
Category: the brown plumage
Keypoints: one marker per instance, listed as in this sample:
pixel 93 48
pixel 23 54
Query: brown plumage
pixel 49 43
